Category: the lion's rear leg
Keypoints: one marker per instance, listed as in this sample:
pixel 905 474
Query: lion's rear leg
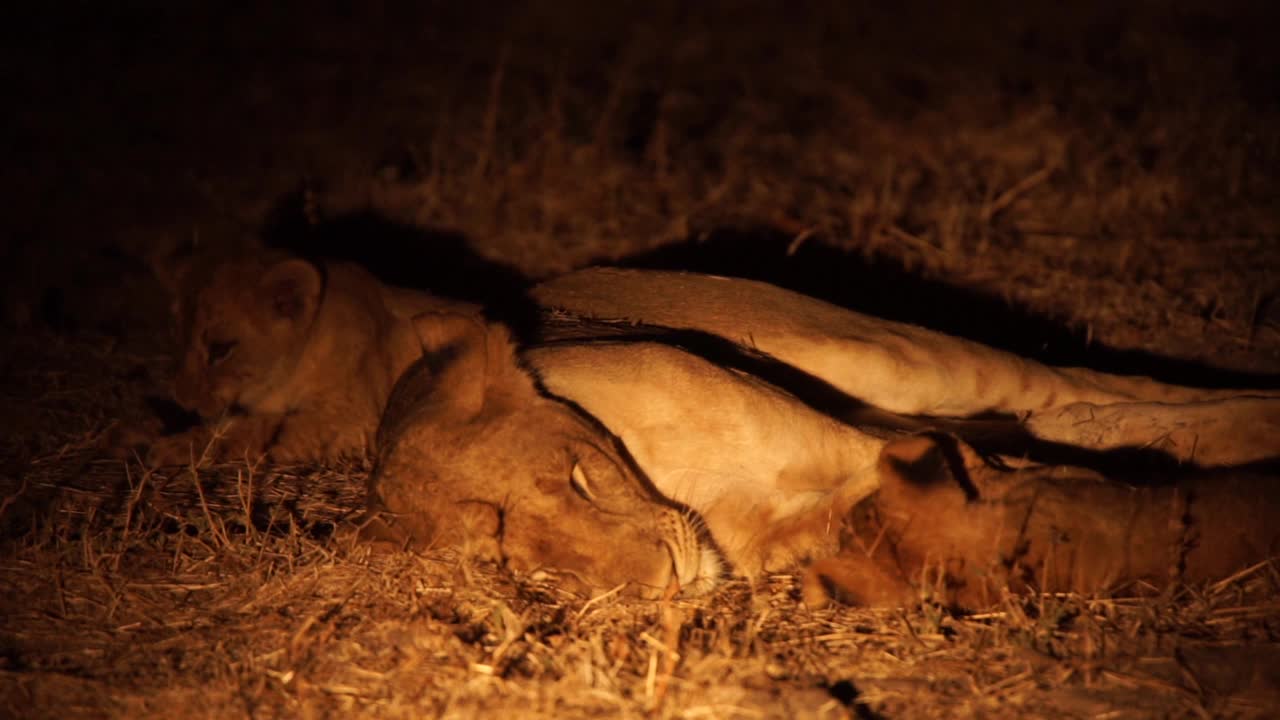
pixel 1222 432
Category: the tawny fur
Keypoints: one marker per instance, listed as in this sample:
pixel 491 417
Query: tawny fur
pixel 285 357
pixel 947 525
pixel 470 454
pixel 914 371
pixel 752 460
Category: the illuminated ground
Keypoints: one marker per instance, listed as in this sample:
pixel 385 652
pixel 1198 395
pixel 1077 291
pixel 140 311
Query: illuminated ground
pixel 1092 186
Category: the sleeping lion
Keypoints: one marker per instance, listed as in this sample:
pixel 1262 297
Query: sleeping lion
pixel 691 468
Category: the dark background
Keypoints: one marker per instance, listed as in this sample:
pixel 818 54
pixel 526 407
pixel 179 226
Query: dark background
pixel 545 136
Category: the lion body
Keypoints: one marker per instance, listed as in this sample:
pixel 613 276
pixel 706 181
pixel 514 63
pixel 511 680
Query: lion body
pixel 285 357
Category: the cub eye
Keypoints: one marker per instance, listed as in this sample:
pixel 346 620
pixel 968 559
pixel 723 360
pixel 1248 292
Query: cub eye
pixel 578 481
pixel 219 351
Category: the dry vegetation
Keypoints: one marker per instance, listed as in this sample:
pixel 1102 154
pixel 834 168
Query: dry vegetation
pixel 1111 169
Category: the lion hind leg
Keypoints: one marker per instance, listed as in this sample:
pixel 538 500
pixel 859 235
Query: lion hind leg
pixel 894 366
pixel 1222 432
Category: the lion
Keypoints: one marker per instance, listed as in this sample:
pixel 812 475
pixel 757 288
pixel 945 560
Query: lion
pixel 910 370
pixel 489 449
pixel 471 454
pixel 948 526
pixel 284 356
pixel 879 516
pixel 770 476
pixel 776 480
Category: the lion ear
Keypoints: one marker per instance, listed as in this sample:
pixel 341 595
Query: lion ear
pixel 915 460
pixel 438 330
pixel 293 288
pixel 457 343
pixel 929 463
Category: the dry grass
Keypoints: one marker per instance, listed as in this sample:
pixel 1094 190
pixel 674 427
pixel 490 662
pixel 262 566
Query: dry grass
pixel 1112 169
pixel 1022 166
pixel 239 591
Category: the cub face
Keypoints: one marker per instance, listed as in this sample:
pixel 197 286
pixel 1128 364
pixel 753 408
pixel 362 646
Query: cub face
pixel 242 327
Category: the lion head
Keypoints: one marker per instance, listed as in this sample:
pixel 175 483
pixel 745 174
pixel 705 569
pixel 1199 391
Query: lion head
pixel 242 325
pixel 471 454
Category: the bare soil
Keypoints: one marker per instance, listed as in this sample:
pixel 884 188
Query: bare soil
pixel 1092 184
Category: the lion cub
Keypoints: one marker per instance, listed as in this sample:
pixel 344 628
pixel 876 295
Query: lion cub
pixel 948 523
pixel 287 357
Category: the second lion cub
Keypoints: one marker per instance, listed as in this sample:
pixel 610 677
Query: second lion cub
pixel 284 356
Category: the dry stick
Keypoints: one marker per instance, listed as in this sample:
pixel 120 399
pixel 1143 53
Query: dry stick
pixel 1009 196
pixel 1139 681
pixel 1188 677
pixel 1222 584
pixel 930 252
pixel 613 100
pixel 196 463
pixel 884 200
pixel 870 551
pixel 911 631
pixel 512 632
pixel 62 589
pixel 218 532
pixel 599 598
pixel 246 499
pixel 663 657
pixel 11 499
pixel 794 246
pixel 216 525
pixel 493 108
pixel 673 621
pixel 1273 571
pixel 128 513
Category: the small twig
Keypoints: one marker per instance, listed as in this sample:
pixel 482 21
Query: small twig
pixel 493 108
pixel 11 499
pixel 599 598
pixel 214 528
pixel 1222 584
pixel 135 498
pixel 924 247
pixel 1011 195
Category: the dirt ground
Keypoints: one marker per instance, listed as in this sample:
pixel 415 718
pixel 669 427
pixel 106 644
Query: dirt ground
pixel 1096 184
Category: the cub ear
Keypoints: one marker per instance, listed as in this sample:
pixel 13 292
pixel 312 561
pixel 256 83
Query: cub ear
pixel 293 288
